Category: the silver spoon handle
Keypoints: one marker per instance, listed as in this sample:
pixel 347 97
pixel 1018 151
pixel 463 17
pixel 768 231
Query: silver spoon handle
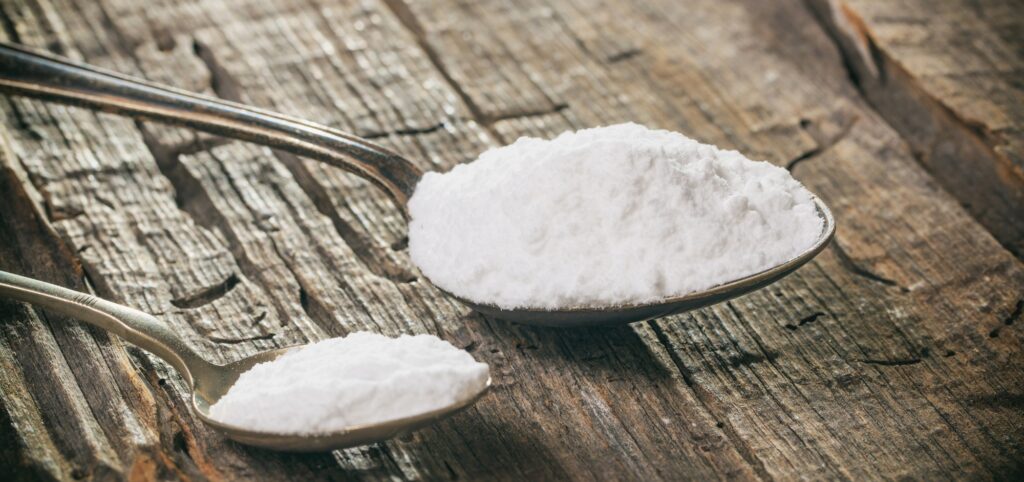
pixel 140 328
pixel 36 74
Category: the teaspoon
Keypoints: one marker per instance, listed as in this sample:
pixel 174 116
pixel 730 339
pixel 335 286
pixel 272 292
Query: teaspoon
pixel 41 75
pixel 209 382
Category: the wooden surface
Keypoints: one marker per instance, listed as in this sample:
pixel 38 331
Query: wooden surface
pixel 896 354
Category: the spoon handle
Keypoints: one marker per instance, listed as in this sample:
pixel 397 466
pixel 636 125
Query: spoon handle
pixel 41 75
pixel 140 328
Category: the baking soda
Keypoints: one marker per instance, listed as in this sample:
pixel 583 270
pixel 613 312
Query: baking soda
pixel 608 216
pixel 340 383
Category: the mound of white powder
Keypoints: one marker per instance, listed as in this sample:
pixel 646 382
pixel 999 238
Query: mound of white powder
pixel 607 216
pixel 360 379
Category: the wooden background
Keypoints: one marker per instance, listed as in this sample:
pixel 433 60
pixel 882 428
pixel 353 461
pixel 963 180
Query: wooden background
pixel 896 354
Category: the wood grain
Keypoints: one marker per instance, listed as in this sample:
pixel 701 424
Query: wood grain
pixel 896 354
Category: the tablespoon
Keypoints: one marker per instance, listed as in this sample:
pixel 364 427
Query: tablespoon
pixel 35 74
pixel 209 382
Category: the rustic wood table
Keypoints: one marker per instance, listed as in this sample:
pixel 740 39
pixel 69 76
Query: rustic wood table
pixel 896 354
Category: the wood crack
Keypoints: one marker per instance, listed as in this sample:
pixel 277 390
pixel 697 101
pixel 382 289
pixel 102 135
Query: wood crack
pixel 822 12
pixel 891 363
pixel 558 107
pixel 207 295
pixel 624 55
pixel 1015 314
pixel 236 341
pixel 822 148
pixel 221 81
pixel 804 321
pixel 412 131
pixel 852 266
pixel 197 144
pixel 1009 320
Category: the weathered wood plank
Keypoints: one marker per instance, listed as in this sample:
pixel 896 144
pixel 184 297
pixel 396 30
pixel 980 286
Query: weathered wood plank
pixel 876 361
pixel 947 76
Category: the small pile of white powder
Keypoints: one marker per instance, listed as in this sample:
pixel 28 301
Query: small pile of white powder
pixel 360 379
pixel 602 217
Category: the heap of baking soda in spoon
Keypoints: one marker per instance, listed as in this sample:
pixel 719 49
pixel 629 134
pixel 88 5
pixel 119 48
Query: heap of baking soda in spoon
pixel 609 216
pixel 342 383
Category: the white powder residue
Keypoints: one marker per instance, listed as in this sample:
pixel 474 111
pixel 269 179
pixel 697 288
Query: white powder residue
pixel 607 216
pixel 360 379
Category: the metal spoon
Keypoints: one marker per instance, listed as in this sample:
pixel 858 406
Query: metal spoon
pixel 35 74
pixel 209 382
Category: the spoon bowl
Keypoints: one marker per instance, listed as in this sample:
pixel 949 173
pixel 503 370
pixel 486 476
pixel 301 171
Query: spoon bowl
pixel 210 382
pixel 207 392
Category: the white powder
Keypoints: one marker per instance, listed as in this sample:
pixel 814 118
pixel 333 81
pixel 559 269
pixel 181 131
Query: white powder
pixel 360 379
pixel 606 216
